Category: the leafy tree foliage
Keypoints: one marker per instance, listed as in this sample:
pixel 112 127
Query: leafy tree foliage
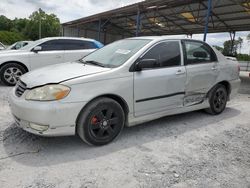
pixel 50 25
pixel 5 23
pixel 248 37
pixel 230 48
pixel 243 57
pixel 28 29
pixel 8 37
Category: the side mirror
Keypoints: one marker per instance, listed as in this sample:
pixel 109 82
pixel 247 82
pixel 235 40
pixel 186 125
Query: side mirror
pixel 200 54
pixel 145 64
pixel 37 49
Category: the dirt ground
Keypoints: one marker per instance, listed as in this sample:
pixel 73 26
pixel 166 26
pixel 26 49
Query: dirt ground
pixel 188 150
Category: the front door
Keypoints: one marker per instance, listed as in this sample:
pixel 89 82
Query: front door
pixel 162 86
pixel 52 53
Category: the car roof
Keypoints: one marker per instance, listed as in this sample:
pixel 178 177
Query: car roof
pixel 71 38
pixel 164 37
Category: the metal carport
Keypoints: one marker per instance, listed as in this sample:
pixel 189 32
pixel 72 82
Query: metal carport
pixel 164 17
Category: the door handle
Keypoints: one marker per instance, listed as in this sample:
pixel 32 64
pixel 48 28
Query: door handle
pixel 214 68
pixel 178 72
pixel 58 56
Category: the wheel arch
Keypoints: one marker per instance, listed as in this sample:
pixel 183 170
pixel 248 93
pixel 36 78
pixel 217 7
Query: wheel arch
pixel 116 98
pixel 17 62
pixel 224 83
pixel 227 86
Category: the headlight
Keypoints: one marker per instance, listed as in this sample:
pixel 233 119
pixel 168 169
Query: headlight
pixel 48 93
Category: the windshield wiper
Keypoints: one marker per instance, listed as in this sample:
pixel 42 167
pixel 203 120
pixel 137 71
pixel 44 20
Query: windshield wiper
pixel 95 63
pixel 92 63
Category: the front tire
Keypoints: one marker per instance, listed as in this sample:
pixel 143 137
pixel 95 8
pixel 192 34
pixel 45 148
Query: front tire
pixel 217 99
pixel 101 121
pixel 10 73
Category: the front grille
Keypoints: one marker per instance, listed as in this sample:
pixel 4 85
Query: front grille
pixel 20 88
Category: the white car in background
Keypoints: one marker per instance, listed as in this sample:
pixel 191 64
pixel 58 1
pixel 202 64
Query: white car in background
pixel 18 45
pixel 2 47
pixel 43 52
pixel 124 83
pixel 231 58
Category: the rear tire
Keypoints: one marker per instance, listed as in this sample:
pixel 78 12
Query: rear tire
pixel 101 121
pixel 217 99
pixel 10 73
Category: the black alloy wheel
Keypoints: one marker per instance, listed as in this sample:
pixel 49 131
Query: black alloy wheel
pixel 218 99
pixel 101 121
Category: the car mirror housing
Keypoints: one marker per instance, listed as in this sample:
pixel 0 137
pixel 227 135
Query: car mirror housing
pixel 37 49
pixel 145 64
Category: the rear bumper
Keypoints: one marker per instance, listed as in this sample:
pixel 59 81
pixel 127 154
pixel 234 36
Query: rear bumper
pixel 59 117
pixel 235 85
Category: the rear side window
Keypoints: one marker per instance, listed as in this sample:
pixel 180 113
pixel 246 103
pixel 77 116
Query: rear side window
pixel 167 54
pixel 78 45
pixel 198 52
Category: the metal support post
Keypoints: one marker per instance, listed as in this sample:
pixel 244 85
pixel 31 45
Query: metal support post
pixel 207 19
pixel 138 22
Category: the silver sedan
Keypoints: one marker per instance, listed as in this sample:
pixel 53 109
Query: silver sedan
pixel 123 84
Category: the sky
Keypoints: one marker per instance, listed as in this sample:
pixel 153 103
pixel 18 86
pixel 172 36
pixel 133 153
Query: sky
pixel 68 10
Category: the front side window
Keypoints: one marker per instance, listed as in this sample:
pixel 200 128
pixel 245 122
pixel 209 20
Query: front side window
pixel 198 52
pixel 166 54
pixel 52 45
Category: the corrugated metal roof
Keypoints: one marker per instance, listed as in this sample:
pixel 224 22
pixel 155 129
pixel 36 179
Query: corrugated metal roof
pixel 175 17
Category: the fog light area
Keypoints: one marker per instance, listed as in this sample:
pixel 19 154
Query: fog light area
pixel 38 127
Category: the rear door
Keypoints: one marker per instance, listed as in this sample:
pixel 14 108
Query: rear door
pixel 52 53
pixel 161 87
pixel 202 70
pixel 77 49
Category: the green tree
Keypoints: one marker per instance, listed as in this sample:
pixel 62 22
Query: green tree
pixel 19 25
pixel 239 43
pixel 248 41
pixel 5 23
pixel 248 36
pixel 243 57
pixel 227 48
pixel 50 25
pixel 9 38
pixel 230 48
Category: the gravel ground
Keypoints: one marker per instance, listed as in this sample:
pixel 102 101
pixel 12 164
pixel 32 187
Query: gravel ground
pixel 189 150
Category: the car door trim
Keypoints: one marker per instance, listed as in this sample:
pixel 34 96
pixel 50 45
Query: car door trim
pixel 160 97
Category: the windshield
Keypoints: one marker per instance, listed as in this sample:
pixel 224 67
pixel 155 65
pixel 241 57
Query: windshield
pixel 116 53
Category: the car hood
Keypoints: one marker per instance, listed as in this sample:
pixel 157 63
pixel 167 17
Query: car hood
pixel 59 73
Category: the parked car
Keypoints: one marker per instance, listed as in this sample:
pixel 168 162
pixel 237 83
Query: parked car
pixel 124 83
pixel 18 45
pixel 231 58
pixel 2 47
pixel 43 52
